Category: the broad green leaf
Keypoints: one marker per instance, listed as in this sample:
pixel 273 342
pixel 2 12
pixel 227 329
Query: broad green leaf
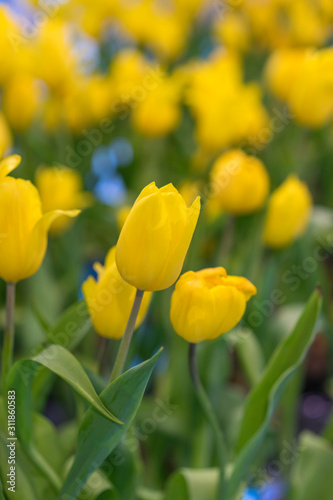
pixel 98 487
pixel 264 397
pixel 62 363
pixel 311 475
pixel 24 489
pixel 146 494
pixel 193 484
pixel 2 495
pixel 98 436
pixel 69 331
pixel 72 327
pixel 250 354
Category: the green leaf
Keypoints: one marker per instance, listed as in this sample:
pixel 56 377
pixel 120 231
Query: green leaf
pixel 98 488
pixel 62 363
pixel 249 354
pixel 311 475
pixel 98 436
pixel 2 495
pixel 193 484
pixel 72 326
pixel 147 494
pixel 263 398
pixel 69 331
pixel 24 489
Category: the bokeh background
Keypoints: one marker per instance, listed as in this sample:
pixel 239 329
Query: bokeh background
pixel 126 92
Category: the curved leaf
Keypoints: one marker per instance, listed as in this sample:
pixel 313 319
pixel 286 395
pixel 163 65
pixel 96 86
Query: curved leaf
pixel 98 436
pixel 193 484
pixel 62 363
pixel 263 399
pixel 311 475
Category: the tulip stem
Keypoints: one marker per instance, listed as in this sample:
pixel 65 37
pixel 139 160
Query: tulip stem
pixel 127 337
pixel 212 419
pixel 9 333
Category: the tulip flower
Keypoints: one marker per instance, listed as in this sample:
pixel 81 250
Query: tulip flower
pixel 239 182
pixel 288 213
pixel 23 226
pixel 6 139
pixel 155 238
pixel 208 303
pixel 61 188
pixel 110 299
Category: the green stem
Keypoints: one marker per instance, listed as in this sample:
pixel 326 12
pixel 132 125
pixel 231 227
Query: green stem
pixel 9 333
pixel 127 337
pixel 41 464
pixel 211 417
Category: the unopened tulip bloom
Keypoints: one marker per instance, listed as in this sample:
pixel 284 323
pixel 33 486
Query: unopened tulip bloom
pixel 61 188
pixel 155 238
pixel 110 299
pixel 288 213
pixel 208 303
pixel 23 226
pixel 239 182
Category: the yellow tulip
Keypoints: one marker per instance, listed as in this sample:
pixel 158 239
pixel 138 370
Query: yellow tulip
pixel 208 303
pixel 61 188
pixel 6 139
pixel 155 238
pixel 240 182
pixel 21 98
pixel 110 299
pixel 288 213
pixel 282 68
pixel 23 226
pixel 165 98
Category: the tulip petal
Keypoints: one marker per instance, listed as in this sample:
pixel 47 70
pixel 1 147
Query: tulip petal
pixel 20 209
pixel 38 239
pixel 148 190
pixel 8 164
pixel 144 242
pixel 183 223
pixel 233 303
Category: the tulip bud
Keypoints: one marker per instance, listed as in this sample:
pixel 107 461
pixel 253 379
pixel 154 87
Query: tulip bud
pixel 239 182
pixel 21 98
pixel 288 213
pixel 155 238
pixel 23 226
pixel 110 299
pixel 61 188
pixel 208 303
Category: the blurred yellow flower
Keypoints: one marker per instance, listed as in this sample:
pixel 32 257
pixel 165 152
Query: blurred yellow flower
pixel 54 58
pixel 282 68
pixel 20 100
pixel 226 110
pixel 288 213
pixel 208 303
pixel 311 97
pixel 240 182
pixel 159 112
pixel 155 238
pixel 6 139
pixel 233 31
pixel 23 226
pixel 61 188
pixel 110 299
